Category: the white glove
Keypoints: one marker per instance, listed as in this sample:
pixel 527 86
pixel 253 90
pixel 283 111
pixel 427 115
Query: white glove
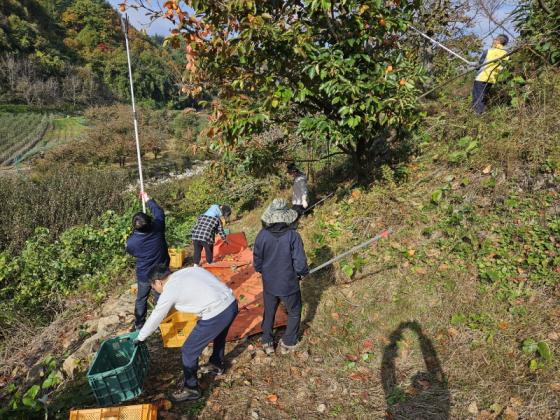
pixel 304 203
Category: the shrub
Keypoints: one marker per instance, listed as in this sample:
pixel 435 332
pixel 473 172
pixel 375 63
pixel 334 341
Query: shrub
pixel 56 201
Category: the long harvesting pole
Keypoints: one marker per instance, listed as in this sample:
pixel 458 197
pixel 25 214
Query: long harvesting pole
pixel 124 22
pixel 443 47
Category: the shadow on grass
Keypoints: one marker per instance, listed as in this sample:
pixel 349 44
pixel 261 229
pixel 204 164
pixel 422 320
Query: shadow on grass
pixel 428 396
pixel 313 287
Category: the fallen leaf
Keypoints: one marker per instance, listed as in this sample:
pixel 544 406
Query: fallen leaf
pixel 424 384
pixel 352 357
pixel 486 415
pixel 553 336
pixel 164 404
pixel 555 387
pixel 335 315
pixel 359 376
pixel 367 344
pixel 510 414
pixel 516 402
pixel 411 252
pixel 503 325
pixel 452 332
pixel 321 408
pixel 473 408
pixel 272 398
pixel 487 169
pixel 421 270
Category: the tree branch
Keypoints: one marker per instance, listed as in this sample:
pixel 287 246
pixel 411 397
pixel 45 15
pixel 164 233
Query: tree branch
pixel 314 160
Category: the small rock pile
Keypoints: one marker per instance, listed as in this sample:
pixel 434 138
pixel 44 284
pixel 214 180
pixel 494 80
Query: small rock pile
pixel 116 317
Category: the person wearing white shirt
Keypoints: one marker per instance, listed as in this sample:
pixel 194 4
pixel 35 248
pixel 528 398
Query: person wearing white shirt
pixel 194 290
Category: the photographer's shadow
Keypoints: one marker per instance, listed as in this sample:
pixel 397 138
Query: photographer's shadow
pixel 428 396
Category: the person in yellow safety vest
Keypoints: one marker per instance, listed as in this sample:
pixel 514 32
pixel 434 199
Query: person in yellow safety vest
pixel 487 74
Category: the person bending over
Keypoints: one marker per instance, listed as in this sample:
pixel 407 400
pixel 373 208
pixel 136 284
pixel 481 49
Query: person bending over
pixel 205 230
pixel 196 291
pixel 300 199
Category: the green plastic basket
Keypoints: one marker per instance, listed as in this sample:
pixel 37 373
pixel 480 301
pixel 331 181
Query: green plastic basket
pixel 118 370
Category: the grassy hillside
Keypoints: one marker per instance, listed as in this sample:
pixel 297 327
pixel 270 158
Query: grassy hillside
pixel 456 315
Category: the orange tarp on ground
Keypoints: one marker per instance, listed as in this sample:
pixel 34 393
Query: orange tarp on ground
pixel 233 265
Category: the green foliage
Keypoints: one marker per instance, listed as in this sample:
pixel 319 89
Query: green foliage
pixel 333 71
pixel 396 396
pixel 475 321
pixel 355 265
pixel 20 133
pixel 519 250
pixel 464 148
pixel 82 255
pixel 540 348
pixel 538 22
pixel 65 47
pixel 28 404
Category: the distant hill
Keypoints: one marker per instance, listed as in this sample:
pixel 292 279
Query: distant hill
pixel 72 52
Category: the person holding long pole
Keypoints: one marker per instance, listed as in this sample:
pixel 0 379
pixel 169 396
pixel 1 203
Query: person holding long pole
pixel 124 22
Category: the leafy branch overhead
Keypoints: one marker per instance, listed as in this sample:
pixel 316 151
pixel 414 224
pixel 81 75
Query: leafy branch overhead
pixel 337 71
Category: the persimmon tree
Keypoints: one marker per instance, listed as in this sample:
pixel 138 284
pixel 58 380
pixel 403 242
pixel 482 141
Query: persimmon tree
pixel 339 71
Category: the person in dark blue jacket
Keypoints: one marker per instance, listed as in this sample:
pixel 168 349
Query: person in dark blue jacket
pixel 147 244
pixel 278 254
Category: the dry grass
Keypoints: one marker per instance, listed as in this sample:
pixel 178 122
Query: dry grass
pixel 383 344
pixel 401 305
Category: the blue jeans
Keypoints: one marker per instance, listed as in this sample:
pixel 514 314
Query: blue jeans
pixel 141 306
pixel 292 303
pixel 479 93
pixel 205 331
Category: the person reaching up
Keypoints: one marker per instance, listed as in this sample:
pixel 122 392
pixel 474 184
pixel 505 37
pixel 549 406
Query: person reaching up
pixel 148 245
pixel 488 73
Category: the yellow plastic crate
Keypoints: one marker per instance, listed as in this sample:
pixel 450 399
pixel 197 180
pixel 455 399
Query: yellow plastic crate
pixel 129 412
pixel 176 327
pixel 176 256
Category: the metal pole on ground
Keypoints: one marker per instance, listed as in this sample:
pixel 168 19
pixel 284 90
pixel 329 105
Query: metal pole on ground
pixel 384 234
pixel 124 23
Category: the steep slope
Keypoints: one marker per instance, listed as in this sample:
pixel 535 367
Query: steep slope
pixel 454 316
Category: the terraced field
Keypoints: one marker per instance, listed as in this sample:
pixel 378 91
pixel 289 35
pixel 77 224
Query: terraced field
pixel 23 135
pixel 19 133
pixel 62 130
